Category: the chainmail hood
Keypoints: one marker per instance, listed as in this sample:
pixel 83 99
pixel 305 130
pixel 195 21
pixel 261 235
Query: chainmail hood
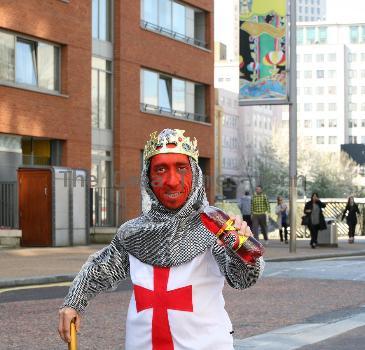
pixel 164 237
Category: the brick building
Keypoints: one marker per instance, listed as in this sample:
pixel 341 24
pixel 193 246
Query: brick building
pixel 83 84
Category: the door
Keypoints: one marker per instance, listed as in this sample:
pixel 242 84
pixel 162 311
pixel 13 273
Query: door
pixel 35 206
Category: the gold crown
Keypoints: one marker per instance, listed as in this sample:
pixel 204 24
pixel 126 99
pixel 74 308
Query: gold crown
pixel 158 144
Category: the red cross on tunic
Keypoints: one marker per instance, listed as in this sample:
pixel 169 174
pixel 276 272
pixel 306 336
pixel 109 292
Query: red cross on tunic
pixel 160 300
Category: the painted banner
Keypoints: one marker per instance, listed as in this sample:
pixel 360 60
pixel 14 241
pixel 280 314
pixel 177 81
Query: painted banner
pixel 263 48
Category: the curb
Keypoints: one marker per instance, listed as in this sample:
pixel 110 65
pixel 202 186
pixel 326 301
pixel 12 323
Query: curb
pixel 39 280
pixel 320 256
pixel 30 281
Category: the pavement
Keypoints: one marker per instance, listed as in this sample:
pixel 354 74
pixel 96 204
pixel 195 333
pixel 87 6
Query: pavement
pixel 36 266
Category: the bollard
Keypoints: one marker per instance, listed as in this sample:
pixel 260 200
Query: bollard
pixel 72 345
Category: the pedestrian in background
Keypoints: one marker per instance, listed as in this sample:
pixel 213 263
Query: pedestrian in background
pixel 316 222
pixel 244 204
pixel 259 207
pixel 281 211
pixel 351 219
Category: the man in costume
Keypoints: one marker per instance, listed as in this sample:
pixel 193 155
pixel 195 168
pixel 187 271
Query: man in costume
pixel 176 265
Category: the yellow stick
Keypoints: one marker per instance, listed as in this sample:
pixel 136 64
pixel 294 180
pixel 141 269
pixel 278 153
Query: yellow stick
pixel 73 344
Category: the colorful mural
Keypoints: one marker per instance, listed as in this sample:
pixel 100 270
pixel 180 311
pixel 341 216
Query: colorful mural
pixel 263 50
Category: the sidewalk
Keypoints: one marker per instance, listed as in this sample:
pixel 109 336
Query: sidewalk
pixel 31 266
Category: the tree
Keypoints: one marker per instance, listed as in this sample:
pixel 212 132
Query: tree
pixel 332 175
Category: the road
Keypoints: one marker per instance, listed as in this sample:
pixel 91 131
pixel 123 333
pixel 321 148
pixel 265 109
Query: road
pixel 308 305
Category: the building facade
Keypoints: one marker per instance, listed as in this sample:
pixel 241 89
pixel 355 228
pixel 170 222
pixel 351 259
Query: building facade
pixel 311 10
pixel 88 91
pixel 331 84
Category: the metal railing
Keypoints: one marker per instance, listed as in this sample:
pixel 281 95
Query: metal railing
pixel 173 113
pixel 105 207
pixel 9 205
pixel 173 34
pixel 334 209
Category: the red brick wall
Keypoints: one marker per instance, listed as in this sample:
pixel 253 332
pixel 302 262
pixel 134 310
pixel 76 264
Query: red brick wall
pixel 136 48
pixel 65 117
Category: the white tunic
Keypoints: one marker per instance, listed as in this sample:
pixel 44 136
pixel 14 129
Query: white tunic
pixel 203 324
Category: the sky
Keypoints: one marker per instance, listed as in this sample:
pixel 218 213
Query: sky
pixel 345 10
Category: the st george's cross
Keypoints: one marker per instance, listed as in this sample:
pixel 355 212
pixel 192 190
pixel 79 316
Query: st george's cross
pixel 161 300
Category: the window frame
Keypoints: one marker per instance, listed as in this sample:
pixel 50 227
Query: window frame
pixel 160 110
pixel 108 123
pixel 36 87
pixel 169 32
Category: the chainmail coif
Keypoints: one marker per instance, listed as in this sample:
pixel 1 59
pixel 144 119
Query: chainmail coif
pixel 159 234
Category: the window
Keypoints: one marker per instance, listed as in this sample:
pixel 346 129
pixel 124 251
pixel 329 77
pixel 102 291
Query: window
pixel 308 90
pixel 320 140
pixel 322 35
pixel 29 62
pixel 320 74
pixel 332 90
pixel 362 57
pixel 352 107
pixel 230 121
pixel 307 58
pixel 311 35
pixel 307 74
pixel 332 140
pixel 362 74
pixel 101 80
pixel 7 55
pixel 307 123
pixel 332 123
pixel 320 107
pixel 319 90
pixel 164 94
pixel 352 57
pixel 222 52
pixel 363 123
pixel 332 107
pixel 331 57
pixel 101 19
pixel 362 90
pixel 320 57
pixel 331 74
pixel 362 107
pixel 352 123
pixel 363 34
pixel 300 36
pixel 175 20
pixel 308 140
pixel 307 107
pixel 320 123
pixel 354 34
pixel 352 139
pixel 352 73
pixel 352 90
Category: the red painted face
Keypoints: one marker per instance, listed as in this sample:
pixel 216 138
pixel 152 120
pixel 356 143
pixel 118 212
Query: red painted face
pixel 171 179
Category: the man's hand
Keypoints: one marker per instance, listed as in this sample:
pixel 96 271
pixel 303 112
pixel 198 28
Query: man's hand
pixel 66 315
pixel 241 226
